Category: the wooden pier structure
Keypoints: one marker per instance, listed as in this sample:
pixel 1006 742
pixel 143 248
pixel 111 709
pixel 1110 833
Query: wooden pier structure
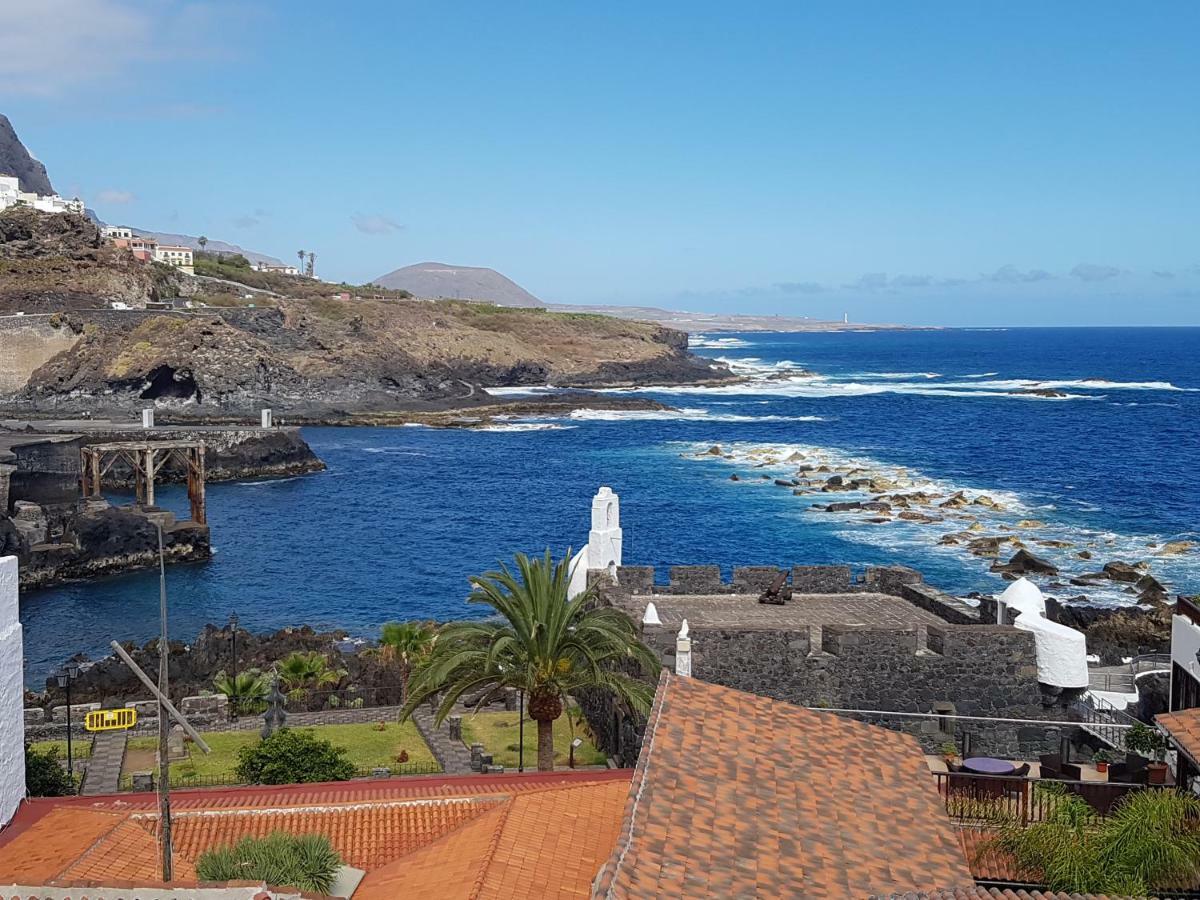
pixel 146 459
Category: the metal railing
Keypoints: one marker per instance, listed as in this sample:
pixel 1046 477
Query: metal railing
pixel 1125 682
pixel 230 779
pixel 991 799
pixel 1101 719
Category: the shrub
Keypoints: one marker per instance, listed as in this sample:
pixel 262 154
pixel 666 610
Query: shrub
pixel 44 774
pixel 293 757
pixel 306 861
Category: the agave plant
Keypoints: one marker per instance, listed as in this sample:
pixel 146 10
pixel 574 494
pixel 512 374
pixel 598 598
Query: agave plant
pixel 406 645
pixel 1149 842
pixel 305 861
pixel 542 643
pixel 247 691
pixel 307 671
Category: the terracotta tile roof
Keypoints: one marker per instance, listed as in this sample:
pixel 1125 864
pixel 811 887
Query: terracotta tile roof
pixel 987 862
pixel 737 795
pixel 1184 729
pixel 113 840
pixel 544 844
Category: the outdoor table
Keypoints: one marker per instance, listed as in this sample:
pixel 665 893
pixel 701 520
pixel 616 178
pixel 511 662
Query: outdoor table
pixel 985 765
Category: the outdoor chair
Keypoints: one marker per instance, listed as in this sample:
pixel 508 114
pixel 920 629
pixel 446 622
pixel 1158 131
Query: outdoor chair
pixel 1050 764
pixel 1124 773
pixel 1021 771
pixel 1100 796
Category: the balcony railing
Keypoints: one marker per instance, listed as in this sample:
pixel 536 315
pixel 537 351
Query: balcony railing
pixel 989 799
pixel 1125 682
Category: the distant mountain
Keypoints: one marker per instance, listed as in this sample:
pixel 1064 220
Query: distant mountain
pixel 15 160
pixel 437 280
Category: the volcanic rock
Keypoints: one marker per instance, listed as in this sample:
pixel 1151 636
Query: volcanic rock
pixel 1025 563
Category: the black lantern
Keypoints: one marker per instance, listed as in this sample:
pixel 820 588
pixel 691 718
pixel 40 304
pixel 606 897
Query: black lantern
pixel 233 683
pixel 63 677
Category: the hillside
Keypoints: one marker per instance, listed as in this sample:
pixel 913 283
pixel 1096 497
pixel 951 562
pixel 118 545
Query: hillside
pixel 52 263
pixel 16 160
pixel 437 280
pixel 322 358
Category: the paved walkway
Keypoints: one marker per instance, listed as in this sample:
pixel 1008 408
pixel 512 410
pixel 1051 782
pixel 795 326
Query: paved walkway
pixel 103 774
pixel 452 755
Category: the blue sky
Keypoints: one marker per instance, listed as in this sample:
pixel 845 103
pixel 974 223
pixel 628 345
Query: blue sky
pixel 947 163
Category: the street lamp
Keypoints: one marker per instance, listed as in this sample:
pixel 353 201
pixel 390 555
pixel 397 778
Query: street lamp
pixel 64 677
pixel 571 754
pixel 233 683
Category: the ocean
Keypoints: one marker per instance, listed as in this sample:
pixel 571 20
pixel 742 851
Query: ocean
pixel 1078 440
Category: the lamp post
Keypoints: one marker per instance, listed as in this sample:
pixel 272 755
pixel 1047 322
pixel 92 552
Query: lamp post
pixel 571 754
pixel 233 683
pixel 521 730
pixel 64 677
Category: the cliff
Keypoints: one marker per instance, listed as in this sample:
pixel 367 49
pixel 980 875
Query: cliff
pixel 15 160
pixel 320 359
pixel 51 263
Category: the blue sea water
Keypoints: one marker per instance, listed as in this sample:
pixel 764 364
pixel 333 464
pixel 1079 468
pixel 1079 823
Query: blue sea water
pixel 402 516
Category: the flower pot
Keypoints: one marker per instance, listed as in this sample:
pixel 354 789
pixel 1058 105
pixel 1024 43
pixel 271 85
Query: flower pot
pixel 1157 772
pixel 1101 767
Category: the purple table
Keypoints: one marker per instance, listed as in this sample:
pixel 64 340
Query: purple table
pixel 985 765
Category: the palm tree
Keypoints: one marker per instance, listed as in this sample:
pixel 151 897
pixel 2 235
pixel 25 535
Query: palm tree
pixel 406 645
pixel 301 671
pixel 203 242
pixel 300 253
pixel 1151 840
pixel 247 690
pixel 543 644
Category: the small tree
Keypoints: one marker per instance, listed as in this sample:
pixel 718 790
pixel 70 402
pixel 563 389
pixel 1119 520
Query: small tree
pixel 1150 841
pixel 304 861
pixel 247 691
pixel 203 242
pixel 293 757
pixel 406 645
pixel 307 671
pixel 44 774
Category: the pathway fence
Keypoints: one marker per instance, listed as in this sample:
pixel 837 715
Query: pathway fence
pixel 992 799
pixel 1123 680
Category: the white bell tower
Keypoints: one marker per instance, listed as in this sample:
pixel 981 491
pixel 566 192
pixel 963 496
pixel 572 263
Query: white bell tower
pixel 604 540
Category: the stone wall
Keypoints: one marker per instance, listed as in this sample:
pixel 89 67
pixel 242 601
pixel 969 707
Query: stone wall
pixel 26 342
pixel 962 667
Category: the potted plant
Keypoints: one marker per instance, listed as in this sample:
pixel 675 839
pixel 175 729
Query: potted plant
pixel 949 754
pixel 1101 758
pixel 1158 769
pixel 1139 742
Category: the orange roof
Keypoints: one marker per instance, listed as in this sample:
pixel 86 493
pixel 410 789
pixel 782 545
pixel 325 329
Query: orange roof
pixel 1184 728
pixel 738 795
pixel 972 892
pixel 114 839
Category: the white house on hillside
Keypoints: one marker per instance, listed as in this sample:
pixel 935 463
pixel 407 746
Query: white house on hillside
pixel 174 255
pixel 12 195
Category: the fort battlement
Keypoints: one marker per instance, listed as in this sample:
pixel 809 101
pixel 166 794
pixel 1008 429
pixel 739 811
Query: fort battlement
pixel 882 640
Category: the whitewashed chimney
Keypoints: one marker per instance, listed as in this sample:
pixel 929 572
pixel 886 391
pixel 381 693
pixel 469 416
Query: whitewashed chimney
pixel 650 617
pixel 683 652
pixel 605 538
pixel 148 417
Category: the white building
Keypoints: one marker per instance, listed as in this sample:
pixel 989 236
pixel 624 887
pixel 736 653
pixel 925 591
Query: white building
pixel 175 255
pixel 273 269
pixel 118 232
pixel 605 541
pixel 12 695
pixel 12 195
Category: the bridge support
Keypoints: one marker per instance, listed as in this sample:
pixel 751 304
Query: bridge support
pixel 145 459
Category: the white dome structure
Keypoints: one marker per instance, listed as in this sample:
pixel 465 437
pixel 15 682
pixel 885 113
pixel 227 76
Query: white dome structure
pixel 1061 651
pixel 1024 597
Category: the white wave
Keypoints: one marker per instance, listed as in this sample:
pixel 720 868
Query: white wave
pixel 676 415
pixel 899 376
pixel 818 387
pixel 525 426
pixel 522 390
pixel 982 375
pixel 704 342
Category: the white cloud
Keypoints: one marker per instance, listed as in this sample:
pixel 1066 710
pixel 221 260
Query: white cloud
pixel 50 47
pixel 110 195
pixel 1095 272
pixel 375 224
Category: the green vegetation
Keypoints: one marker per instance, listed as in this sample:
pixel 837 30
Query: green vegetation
pixel 81 748
pixel 366 745
pixel 310 671
pixel 236 267
pixel 1151 841
pixel 293 757
pixel 406 645
pixel 247 691
pixel 304 861
pixel 542 644
pixel 45 775
pixel 500 735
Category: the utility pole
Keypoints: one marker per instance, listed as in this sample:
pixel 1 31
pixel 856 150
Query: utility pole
pixel 164 764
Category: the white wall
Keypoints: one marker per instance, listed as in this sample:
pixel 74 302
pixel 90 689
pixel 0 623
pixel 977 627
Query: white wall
pixel 1185 644
pixel 12 705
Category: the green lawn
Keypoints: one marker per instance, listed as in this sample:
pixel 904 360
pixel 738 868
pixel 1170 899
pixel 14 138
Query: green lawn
pixel 81 748
pixel 499 733
pixel 366 744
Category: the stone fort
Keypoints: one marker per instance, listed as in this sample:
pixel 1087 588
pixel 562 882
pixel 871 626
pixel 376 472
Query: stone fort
pixel 879 642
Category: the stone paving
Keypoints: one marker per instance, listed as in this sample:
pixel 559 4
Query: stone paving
pixel 802 611
pixel 453 755
pixel 103 774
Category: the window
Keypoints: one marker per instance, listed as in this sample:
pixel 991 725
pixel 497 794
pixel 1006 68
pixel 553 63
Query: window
pixel 1185 690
